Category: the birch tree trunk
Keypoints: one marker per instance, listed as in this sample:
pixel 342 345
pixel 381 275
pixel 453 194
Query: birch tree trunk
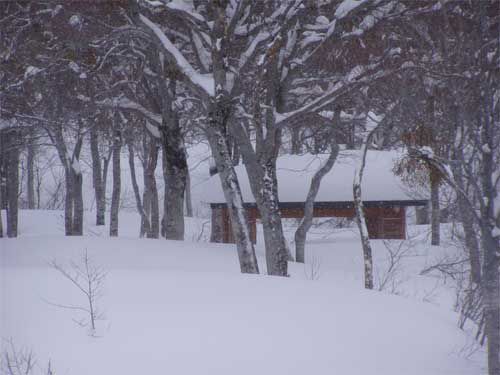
pixel 261 169
pixel 277 253
pixel 306 222
pixel 115 197
pixel 360 214
pixel 97 177
pixel 232 193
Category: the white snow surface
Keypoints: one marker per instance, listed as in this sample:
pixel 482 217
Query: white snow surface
pixel 183 308
pixel 295 173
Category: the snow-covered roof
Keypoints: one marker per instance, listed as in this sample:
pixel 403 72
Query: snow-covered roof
pixel 296 171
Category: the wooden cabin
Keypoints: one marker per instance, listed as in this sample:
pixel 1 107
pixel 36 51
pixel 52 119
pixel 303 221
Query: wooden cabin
pixel 385 197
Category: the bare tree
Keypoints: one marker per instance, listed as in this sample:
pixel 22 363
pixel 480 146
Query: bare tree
pixel 14 361
pixel 88 278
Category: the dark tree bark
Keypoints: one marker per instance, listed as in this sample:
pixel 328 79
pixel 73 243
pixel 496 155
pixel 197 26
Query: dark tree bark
pixel 305 224
pixel 97 177
pixel 155 209
pixel 2 182
pixel 467 219
pixel 77 189
pixel 434 181
pixel 422 215
pixel 187 196
pixel 151 226
pixel 11 162
pixel 295 139
pixel 435 210
pixel 490 274
pixel 135 187
pixel 68 203
pixel 115 198
pixel 73 199
pixel 30 166
pixel 175 172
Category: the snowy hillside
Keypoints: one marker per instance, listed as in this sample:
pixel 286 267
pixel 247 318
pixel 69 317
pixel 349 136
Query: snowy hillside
pixel 183 308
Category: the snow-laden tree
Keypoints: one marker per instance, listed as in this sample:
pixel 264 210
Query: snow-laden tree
pixel 462 56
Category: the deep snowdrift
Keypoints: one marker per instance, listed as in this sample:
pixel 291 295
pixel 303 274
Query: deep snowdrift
pixel 183 308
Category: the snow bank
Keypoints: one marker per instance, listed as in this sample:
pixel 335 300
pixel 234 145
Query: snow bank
pixel 183 308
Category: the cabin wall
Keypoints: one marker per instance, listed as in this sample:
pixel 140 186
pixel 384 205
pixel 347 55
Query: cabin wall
pixel 382 222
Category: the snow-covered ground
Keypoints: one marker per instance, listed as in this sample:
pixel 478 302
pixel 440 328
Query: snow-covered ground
pixel 184 308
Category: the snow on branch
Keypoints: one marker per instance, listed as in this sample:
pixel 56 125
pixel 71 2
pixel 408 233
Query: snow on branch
pixel 203 83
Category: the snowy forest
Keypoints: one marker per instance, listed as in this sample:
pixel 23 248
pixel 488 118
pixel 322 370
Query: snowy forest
pixel 250 186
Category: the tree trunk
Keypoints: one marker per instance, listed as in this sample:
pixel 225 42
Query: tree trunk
pixel 232 192
pixel 155 211
pixel 277 253
pixel 151 190
pixel 360 214
pixel 30 165
pixel 491 295
pixel 1 194
pixel 296 144
pixel 490 223
pixel 217 130
pixel 435 210
pixel 175 172
pixel 2 182
pixel 422 215
pixel 68 202
pixel 187 196
pixel 305 224
pixel 115 197
pixel 97 177
pixel 77 190
pixel 261 169
pixel 105 169
pixel 467 219
pixel 38 188
pixel 135 187
pixel 150 222
pixel 11 150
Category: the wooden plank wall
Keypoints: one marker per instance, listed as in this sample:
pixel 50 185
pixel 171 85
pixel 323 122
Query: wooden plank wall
pixel 382 222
